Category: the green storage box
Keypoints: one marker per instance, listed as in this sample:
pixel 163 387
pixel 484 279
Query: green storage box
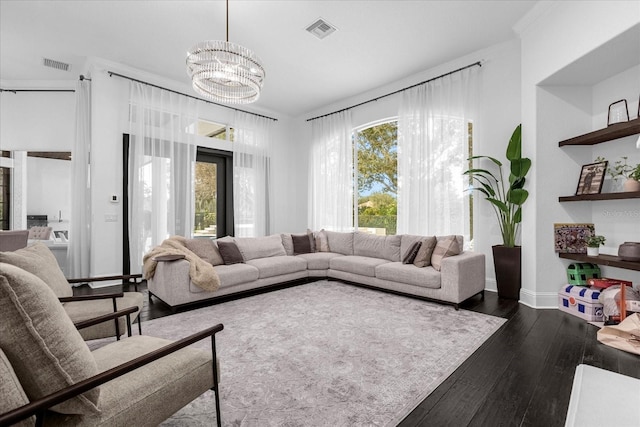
pixel 579 272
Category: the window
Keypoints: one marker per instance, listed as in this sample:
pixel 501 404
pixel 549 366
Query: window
pixel 215 130
pixel 377 178
pixel 376 159
pixel 213 188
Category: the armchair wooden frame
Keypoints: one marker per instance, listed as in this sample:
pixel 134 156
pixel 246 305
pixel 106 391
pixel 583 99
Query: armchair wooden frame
pixel 128 279
pixel 38 407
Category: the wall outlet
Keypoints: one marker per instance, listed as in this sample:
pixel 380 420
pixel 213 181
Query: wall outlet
pixel 114 198
pixel 110 217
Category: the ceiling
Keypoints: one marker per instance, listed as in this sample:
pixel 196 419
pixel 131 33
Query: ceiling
pixel 377 42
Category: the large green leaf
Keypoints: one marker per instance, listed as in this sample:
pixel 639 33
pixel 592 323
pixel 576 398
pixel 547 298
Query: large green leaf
pixel 481 172
pixel 499 203
pixel 517 196
pixel 493 159
pixel 514 149
pixel 517 216
pixel 520 167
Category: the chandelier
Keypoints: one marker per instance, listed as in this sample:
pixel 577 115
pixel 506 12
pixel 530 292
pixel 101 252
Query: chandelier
pixel 225 72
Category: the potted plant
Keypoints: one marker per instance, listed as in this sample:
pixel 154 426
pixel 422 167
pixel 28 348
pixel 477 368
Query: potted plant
pixel 593 245
pixel 506 197
pixel 621 169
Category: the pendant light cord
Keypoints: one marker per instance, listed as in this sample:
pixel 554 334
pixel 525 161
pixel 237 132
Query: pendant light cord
pixel 227 21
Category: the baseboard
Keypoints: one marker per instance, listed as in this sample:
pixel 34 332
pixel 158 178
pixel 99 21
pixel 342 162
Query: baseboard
pixel 539 300
pixel 490 285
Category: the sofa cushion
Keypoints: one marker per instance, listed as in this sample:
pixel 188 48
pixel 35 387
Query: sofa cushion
pixel 152 393
pixel 321 241
pixel 232 275
pixel 409 239
pixel 278 265
pixel 230 253
pixel 398 272
pixel 411 253
pixel 340 243
pixel 260 247
pixel 301 244
pixel 312 240
pixel 287 243
pixel 387 247
pixel 206 249
pixel 13 395
pixel 41 343
pixel 364 266
pixel 39 260
pixel 423 257
pixel 446 247
pixel 318 260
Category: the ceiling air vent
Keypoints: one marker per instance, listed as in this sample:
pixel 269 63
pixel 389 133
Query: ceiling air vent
pixel 56 64
pixel 321 28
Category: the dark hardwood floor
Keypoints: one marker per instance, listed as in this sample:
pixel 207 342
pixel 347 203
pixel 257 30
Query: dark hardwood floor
pixel 521 376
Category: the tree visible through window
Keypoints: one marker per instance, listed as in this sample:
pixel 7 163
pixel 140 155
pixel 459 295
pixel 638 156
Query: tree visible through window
pixel 377 160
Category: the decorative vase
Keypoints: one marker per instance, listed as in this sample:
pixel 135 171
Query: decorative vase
pixel 629 251
pixel 507 263
pixel 593 251
pixel 631 185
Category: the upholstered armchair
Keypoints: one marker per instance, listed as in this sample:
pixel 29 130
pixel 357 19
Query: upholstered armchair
pixel 49 376
pixel 39 260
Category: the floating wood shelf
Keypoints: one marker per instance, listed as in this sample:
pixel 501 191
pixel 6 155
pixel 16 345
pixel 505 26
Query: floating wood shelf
pixel 615 131
pixel 601 196
pixel 610 260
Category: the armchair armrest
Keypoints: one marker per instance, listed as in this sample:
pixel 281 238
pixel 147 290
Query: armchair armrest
pixel 38 407
pixel 125 278
pixel 91 297
pixel 106 317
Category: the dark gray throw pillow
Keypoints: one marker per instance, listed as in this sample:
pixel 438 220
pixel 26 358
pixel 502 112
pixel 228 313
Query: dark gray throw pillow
pixel 411 253
pixel 301 244
pixel 230 253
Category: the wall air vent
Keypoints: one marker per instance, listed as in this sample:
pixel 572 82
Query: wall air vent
pixel 55 64
pixel 321 28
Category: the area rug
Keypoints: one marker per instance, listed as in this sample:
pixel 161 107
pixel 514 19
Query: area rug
pixel 326 354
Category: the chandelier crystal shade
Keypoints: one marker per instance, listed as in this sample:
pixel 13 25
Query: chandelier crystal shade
pixel 225 72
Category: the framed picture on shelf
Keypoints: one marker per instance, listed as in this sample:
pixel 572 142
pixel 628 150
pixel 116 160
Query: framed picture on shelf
pixel 572 238
pixel 591 178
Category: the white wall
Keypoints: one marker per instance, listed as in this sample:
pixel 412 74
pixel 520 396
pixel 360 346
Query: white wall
pixel 554 35
pixel 499 115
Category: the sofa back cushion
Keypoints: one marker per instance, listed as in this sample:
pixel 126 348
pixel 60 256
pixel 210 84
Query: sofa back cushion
pixel 39 260
pixel 43 346
pixel 260 247
pixel 206 249
pixel 340 243
pixel 370 245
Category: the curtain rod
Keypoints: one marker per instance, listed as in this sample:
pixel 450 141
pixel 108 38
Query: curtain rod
pixel 479 64
pixel 111 73
pixel 37 90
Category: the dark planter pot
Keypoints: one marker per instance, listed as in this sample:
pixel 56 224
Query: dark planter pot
pixel 507 263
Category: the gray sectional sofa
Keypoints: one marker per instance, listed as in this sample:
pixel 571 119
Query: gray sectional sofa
pixel 358 258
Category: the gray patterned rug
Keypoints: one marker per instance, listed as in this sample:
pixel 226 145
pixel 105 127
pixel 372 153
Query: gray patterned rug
pixel 326 354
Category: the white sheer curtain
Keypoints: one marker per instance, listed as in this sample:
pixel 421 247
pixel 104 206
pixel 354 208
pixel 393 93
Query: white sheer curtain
pixel 251 183
pixel 161 167
pixel 79 249
pixel 432 151
pixel 331 173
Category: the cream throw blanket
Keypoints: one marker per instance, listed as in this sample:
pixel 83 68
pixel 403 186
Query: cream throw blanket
pixel 201 272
